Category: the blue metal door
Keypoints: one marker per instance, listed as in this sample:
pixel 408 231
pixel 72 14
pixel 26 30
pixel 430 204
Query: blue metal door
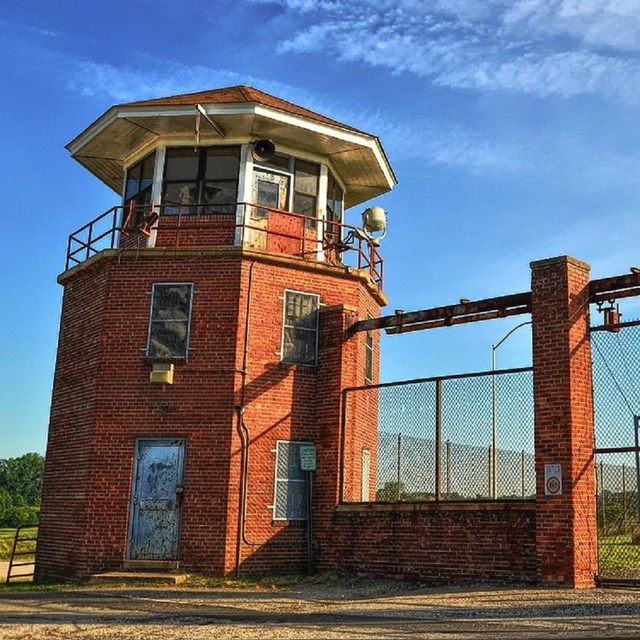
pixel 156 498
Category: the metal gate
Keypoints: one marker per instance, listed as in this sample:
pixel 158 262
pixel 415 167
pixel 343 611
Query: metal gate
pixel 616 391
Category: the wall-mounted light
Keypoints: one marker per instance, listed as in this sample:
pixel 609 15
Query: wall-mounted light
pixel 161 373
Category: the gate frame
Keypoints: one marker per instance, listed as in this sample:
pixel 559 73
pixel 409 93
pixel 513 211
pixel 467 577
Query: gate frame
pixel 559 303
pixel 615 327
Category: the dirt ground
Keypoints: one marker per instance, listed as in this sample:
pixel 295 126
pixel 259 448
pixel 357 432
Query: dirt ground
pixel 337 607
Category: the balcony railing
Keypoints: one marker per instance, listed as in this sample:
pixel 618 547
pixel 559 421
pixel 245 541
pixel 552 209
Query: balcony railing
pixel 243 224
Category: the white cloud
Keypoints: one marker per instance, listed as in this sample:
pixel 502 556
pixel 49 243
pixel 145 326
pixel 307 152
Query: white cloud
pixel 610 23
pixel 536 47
pixel 122 84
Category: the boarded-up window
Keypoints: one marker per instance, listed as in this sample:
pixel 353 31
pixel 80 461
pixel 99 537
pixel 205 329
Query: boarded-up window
pixel 368 355
pixel 300 327
pixel 290 494
pixel 170 320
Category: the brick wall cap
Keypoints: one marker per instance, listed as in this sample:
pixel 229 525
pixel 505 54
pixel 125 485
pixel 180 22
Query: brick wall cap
pixel 500 505
pixel 548 263
pixel 224 252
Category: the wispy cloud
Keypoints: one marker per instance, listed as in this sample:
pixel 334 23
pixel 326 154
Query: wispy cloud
pixel 33 29
pixel 483 46
pixel 124 84
pixel 609 23
pixel 543 48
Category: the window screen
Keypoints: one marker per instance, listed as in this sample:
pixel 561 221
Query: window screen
pixel 300 327
pixel 290 499
pixel 170 320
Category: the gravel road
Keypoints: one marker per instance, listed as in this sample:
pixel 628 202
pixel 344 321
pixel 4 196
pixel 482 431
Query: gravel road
pixel 341 608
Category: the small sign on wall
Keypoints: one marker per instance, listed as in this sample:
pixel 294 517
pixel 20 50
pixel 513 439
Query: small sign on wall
pixel 552 479
pixel 307 457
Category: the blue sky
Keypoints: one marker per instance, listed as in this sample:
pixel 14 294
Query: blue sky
pixel 512 126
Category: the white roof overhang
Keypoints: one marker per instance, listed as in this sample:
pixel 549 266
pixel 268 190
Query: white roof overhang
pixel 125 133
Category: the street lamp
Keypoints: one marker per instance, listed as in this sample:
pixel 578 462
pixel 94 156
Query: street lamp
pixel 494 413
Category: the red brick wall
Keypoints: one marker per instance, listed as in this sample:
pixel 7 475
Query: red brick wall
pixel 196 231
pixel 103 401
pixel 290 402
pixel 566 524
pixel 446 542
pixel 64 518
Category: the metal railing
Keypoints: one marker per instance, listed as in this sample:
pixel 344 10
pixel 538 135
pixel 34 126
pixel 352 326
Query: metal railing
pixel 242 223
pixel 434 438
pixel 24 550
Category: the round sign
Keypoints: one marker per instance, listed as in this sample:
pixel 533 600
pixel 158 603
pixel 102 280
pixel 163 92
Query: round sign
pixel 553 485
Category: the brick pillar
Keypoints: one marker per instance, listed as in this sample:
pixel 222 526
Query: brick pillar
pixel 336 370
pixel 566 539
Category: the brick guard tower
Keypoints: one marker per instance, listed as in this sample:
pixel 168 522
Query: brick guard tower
pixel 196 417
pixel 201 344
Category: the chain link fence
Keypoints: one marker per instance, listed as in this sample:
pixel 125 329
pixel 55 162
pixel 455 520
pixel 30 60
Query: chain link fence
pixel 616 394
pixel 464 437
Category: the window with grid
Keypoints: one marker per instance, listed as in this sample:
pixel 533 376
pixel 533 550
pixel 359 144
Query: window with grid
pixel 300 327
pixel 290 493
pixel 170 320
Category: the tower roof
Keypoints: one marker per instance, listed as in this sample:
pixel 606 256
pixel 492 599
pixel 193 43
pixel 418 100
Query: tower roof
pixel 236 95
pixel 234 115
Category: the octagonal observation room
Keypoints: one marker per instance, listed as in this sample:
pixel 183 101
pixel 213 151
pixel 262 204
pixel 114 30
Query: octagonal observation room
pixel 231 167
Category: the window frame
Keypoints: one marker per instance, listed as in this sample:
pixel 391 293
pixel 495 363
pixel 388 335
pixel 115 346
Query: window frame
pixel 154 287
pixel 277 166
pixel 201 181
pixel 285 326
pixel 334 218
pixel 280 482
pixel 142 195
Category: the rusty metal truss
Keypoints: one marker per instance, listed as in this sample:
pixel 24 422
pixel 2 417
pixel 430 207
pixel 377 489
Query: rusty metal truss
pixel 604 289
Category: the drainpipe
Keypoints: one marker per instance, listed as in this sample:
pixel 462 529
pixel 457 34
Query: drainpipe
pixel 243 431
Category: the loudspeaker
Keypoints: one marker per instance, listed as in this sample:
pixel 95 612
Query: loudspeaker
pixel 263 150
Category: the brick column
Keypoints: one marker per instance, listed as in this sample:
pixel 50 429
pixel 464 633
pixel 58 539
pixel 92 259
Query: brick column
pixel 336 370
pixel 566 539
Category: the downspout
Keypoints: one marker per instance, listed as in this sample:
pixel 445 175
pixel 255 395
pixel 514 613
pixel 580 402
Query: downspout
pixel 243 432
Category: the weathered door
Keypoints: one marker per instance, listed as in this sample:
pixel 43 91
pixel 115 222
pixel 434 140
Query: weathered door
pixel 271 190
pixel 155 500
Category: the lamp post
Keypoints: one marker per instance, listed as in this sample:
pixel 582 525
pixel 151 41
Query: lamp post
pixel 494 412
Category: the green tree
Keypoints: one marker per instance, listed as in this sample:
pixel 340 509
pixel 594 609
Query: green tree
pixel 21 478
pixel 5 504
pixel 391 491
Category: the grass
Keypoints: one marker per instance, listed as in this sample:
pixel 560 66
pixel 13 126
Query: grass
pixel 281 583
pixel 618 552
pixel 6 542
